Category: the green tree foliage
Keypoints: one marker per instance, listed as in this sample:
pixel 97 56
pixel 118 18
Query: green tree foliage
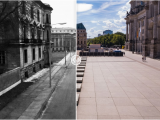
pixel 117 38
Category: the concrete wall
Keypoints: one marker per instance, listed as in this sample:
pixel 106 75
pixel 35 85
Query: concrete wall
pixel 9 78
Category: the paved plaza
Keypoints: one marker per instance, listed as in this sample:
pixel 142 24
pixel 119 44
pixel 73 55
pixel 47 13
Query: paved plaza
pixel 120 88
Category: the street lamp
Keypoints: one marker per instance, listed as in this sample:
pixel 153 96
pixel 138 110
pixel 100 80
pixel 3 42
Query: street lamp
pixel 50 56
pixel 72 37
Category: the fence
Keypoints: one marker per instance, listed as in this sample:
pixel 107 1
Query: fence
pixel 9 78
pixel 101 53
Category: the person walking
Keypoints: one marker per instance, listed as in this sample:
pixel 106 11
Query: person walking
pixel 143 58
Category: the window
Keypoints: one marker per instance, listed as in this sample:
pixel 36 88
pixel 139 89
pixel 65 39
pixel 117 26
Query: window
pixel 33 53
pixel 32 13
pixel 47 18
pixel 47 36
pixel 32 32
pixel 25 56
pixel 38 15
pixel 143 31
pixel 38 34
pixel 81 42
pixel 26 74
pixel 2 57
pixel 78 42
pixel 84 42
pixel 39 52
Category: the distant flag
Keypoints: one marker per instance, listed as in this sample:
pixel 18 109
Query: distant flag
pixel 140 29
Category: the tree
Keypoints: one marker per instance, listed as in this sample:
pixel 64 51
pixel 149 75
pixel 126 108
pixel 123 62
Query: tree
pixel 9 19
pixel 7 8
pixel 109 40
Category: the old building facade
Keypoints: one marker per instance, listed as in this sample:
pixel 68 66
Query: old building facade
pixel 143 27
pixel 63 39
pixel 81 36
pixel 26 42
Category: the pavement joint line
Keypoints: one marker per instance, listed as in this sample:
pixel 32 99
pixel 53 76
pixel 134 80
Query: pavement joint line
pixel 143 63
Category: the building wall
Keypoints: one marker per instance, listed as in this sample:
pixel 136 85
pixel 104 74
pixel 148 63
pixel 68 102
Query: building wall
pixel 81 39
pixel 63 38
pixel 107 32
pixel 142 26
pixel 27 33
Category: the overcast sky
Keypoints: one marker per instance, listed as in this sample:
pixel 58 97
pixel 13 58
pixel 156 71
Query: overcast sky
pixel 64 11
pixel 100 15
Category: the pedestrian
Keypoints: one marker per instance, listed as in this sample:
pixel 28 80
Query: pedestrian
pixel 142 58
pixel 124 53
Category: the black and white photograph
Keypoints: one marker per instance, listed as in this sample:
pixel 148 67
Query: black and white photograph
pixel 37 42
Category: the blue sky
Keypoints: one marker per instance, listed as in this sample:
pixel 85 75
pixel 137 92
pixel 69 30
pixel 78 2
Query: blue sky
pixel 100 15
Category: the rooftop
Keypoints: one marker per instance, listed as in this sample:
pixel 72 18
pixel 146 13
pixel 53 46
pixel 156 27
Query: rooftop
pixel 80 26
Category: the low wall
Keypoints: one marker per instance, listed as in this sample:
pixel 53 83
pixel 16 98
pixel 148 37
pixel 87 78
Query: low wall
pixel 9 78
pixel 101 53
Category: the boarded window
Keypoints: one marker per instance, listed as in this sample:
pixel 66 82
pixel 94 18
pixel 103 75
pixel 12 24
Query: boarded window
pixel 2 57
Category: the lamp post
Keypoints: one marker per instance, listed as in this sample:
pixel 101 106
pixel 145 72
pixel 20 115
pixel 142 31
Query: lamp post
pixel 50 76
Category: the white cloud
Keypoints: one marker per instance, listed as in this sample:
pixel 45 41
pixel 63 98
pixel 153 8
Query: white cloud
pixel 97 22
pixel 94 21
pixel 106 5
pixel 122 13
pixel 81 7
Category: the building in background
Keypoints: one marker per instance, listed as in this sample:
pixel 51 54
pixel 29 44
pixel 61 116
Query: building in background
pixel 99 35
pixel 24 37
pixel 95 48
pixel 107 32
pixel 81 37
pixel 63 38
pixel 142 28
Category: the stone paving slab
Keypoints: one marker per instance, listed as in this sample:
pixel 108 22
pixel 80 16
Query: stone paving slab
pixel 80 74
pixel 79 86
pixel 79 79
pixel 81 67
pixel 80 70
pixel 119 88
